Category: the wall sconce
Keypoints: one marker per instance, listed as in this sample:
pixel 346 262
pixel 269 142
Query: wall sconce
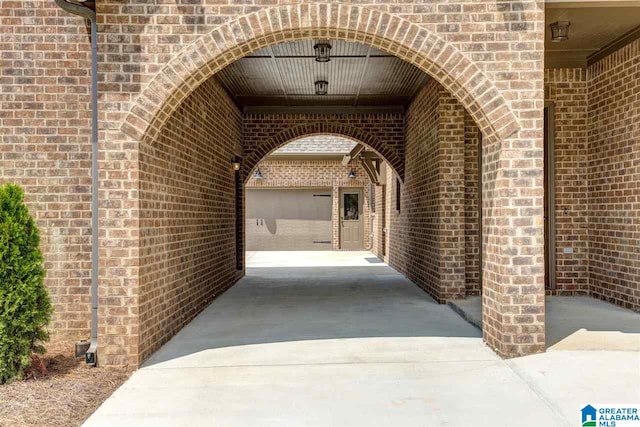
pixel 235 162
pixel 352 174
pixel 323 50
pixel 560 31
pixel 322 86
pixel 258 174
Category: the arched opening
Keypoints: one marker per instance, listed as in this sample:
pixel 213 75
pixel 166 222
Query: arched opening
pixel 396 36
pixel 316 193
pixel 191 122
pixel 513 142
pixel 340 131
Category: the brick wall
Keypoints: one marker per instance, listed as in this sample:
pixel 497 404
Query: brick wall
pixel 379 246
pixel 187 214
pixel 45 145
pixel 472 224
pixel 438 217
pixel 395 233
pixel 282 173
pixel 153 56
pixel 614 176
pixel 567 90
pixel 382 132
pixel 468 47
pixel 429 229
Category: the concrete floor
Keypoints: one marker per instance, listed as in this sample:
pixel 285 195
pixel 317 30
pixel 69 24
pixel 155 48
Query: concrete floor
pixel 271 259
pixel 575 323
pixel 351 342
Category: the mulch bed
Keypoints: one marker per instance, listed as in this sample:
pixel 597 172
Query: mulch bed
pixel 60 391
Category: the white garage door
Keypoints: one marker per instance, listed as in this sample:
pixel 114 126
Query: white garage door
pixel 288 219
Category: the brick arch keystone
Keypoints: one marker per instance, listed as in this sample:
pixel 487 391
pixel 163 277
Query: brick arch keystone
pixel 254 155
pixel 229 42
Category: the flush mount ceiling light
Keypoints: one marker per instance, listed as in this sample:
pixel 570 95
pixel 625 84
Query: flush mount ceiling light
pixel 323 50
pixel 258 174
pixel 321 87
pixel 560 31
pixel 352 174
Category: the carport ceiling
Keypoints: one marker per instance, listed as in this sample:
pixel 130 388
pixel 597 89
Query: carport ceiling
pixel 358 75
pixel 594 27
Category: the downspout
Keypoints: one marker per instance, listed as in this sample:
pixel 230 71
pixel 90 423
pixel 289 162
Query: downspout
pixel 372 187
pixel 74 7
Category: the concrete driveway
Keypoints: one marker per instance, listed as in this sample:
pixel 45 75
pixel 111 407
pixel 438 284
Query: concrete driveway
pixel 340 339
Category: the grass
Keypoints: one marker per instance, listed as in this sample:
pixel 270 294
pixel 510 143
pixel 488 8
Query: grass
pixel 65 396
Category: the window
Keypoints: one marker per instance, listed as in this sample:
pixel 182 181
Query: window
pixel 398 193
pixel 351 207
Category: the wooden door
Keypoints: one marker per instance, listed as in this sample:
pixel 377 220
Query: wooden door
pixel 351 222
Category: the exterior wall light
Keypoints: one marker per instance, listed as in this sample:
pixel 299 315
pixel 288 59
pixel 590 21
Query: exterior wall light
pixel 560 31
pixel 352 174
pixel 323 50
pixel 322 87
pixel 235 162
pixel 258 174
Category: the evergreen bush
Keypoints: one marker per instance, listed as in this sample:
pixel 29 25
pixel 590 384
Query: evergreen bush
pixel 25 309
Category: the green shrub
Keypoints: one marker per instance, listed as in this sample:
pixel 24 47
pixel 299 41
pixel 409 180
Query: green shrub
pixel 25 309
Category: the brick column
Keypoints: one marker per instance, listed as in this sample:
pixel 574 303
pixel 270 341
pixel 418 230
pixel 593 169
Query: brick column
pixel 119 291
pixel 335 217
pixel 513 276
pixel 451 198
pixel 430 228
pixel 379 248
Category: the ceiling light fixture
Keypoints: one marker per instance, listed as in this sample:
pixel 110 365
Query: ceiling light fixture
pixel 235 162
pixel 258 174
pixel 560 31
pixel 322 87
pixel 323 50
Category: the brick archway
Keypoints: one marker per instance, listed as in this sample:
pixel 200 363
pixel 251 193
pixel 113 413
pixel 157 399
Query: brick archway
pixel 419 46
pixel 254 155
pixel 181 192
